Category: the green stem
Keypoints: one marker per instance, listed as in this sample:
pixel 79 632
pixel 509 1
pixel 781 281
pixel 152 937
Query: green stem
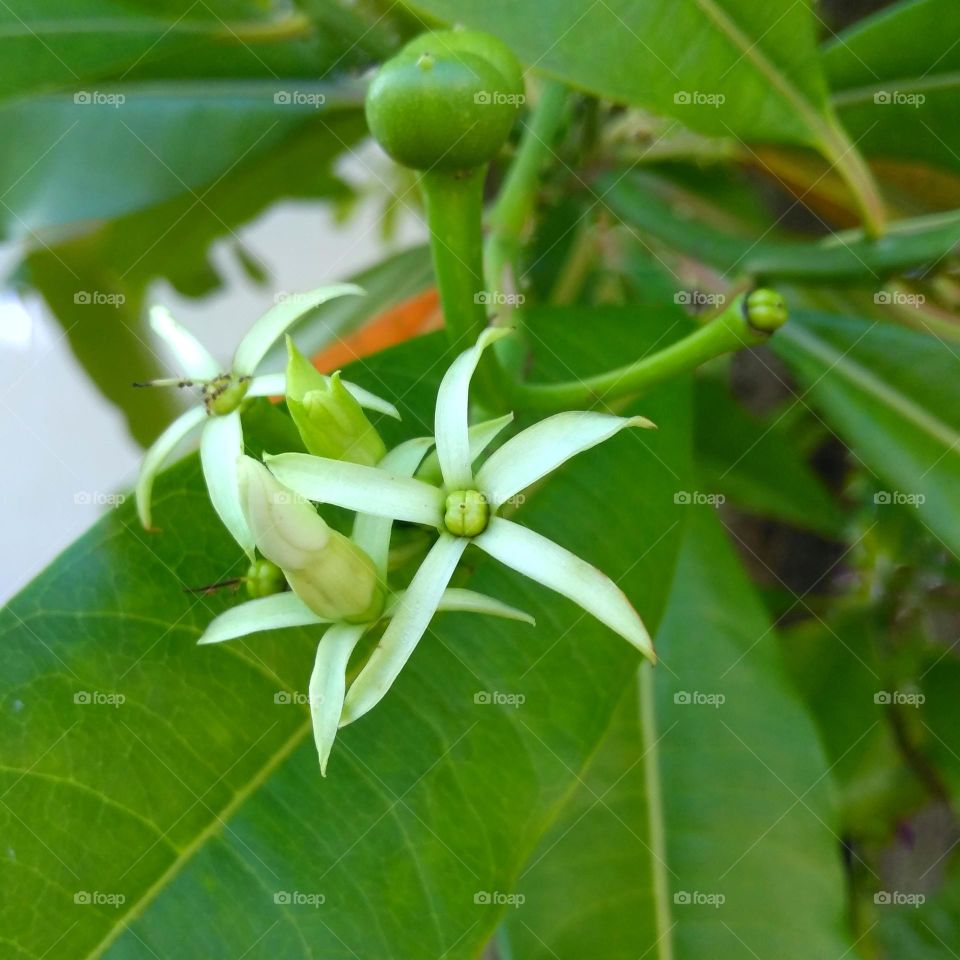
pixel 727 332
pixel 454 203
pixel 515 202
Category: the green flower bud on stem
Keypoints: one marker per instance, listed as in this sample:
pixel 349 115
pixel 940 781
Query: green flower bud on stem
pixel 264 579
pixel 331 422
pixel 330 573
pixel 765 310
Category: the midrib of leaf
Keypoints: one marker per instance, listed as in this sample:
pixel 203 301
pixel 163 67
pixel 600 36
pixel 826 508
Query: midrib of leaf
pixel 751 51
pixel 942 81
pixel 860 376
pixel 656 823
pixel 238 799
pixel 829 136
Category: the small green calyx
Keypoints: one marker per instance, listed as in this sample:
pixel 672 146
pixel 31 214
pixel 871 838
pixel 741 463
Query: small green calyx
pixel 765 310
pixel 264 579
pixel 224 394
pixel 331 422
pixel 467 513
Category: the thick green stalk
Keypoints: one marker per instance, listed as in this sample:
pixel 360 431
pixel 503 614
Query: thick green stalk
pixel 454 202
pixel 729 331
pixel 515 202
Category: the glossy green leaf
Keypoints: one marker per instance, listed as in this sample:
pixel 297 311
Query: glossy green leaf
pixel 197 798
pixel 651 207
pixel 893 395
pixel 704 827
pixel 754 462
pixel 720 66
pixel 896 81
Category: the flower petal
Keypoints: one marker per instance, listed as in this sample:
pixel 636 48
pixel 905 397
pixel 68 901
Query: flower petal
pixel 254 616
pixel 268 385
pixel 370 400
pixel 468 601
pixel 481 436
pixel 536 451
pixel 453 409
pixel 372 534
pixel 403 633
pixel 272 325
pixel 194 358
pixel 328 684
pixel 356 487
pixel 275 385
pixel 221 445
pixel 156 456
pixel 553 566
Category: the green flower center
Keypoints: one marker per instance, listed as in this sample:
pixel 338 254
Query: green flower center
pixel 224 394
pixel 467 513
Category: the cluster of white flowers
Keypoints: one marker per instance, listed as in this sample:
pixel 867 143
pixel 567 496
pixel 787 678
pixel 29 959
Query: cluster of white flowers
pixel 342 582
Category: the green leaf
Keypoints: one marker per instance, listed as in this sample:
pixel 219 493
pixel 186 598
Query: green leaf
pixel 895 79
pixel 199 800
pixel 69 162
pixel 687 801
pixel 892 395
pixel 845 257
pixel 756 464
pixel 761 58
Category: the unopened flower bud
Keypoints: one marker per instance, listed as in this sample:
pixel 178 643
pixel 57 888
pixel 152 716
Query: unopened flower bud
pixel 330 574
pixel 331 422
pixel 766 310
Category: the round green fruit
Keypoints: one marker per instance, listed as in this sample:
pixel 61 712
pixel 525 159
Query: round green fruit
pixel 439 106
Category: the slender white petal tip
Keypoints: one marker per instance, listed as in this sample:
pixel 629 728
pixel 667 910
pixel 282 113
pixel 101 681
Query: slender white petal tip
pixel 642 422
pixel 548 563
pixel 194 358
pixel 156 456
pixel 274 323
pixel 452 414
pixel 255 616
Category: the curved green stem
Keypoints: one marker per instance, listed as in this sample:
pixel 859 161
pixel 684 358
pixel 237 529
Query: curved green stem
pixel 729 331
pixel 454 203
pixel 514 203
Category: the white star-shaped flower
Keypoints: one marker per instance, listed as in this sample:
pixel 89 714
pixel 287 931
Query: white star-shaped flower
pixel 221 441
pixel 463 507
